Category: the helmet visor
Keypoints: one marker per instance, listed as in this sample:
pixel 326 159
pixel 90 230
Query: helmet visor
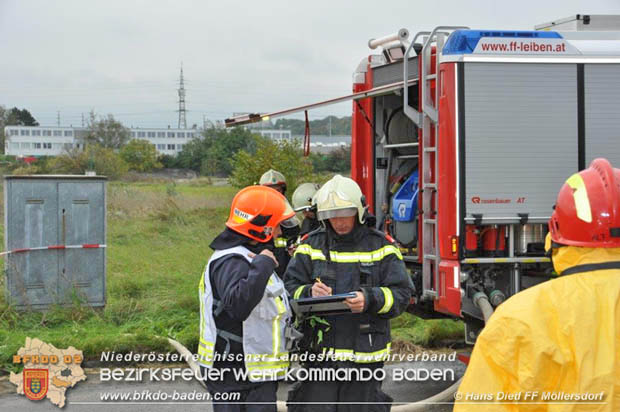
pixel 291 220
pixel 328 214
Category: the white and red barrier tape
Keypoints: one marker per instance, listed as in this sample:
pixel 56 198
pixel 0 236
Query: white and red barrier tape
pixel 55 247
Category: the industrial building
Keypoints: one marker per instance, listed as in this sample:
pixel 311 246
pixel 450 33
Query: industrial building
pixel 52 141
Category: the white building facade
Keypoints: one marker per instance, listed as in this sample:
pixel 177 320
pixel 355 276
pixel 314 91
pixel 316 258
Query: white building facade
pixel 52 141
pixel 273 134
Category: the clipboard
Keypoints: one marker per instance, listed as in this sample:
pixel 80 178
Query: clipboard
pixel 323 305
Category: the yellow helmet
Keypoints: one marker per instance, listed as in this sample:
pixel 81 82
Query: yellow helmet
pixel 302 196
pixel 340 197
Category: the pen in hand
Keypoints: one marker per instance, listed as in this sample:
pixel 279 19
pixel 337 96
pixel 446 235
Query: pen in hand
pixel 320 289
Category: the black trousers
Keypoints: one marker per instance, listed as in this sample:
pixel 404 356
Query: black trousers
pixel 263 393
pixel 339 396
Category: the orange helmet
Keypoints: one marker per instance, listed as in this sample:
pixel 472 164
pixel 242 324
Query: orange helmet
pixel 587 211
pixel 257 210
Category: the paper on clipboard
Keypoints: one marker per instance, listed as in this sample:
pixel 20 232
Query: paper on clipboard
pixel 323 305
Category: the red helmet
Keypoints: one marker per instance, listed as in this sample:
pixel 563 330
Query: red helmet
pixel 587 211
pixel 257 210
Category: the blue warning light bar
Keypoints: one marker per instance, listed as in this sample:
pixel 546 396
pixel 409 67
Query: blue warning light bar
pixel 465 41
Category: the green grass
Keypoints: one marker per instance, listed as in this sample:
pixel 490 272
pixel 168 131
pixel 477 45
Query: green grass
pixel 158 237
pixel 155 260
pixel 414 330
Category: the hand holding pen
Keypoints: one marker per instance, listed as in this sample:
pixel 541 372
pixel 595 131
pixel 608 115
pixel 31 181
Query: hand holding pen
pixel 320 289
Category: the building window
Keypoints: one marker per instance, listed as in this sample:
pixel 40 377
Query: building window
pixel 47 132
pixel 180 147
pixel 47 145
pixel 133 134
pixel 57 132
pixel 170 147
pixel 190 135
pixel 36 133
pixel 25 145
pixel 161 147
pixel 57 146
pixel 68 133
pixel 181 135
pixel 141 134
pixel 161 134
pixel 13 132
pixel 68 146
pixel 150 134
pixel 25 132
pixel 14 146
pixel 170 134
pixel 37 145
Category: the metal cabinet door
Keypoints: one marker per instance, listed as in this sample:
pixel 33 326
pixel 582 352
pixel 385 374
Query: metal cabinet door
pixel 32 276
pixel 81 220
pixel 602 105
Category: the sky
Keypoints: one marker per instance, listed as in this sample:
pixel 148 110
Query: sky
pixel 123 57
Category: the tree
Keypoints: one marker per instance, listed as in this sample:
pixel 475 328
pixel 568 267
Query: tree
pixel 3 115
pixel 225 144
pixel 193 153
pixel 16 117
pixel 338 161
pixel 333 124
pixel 283 156
pixel 140 156
pixel 106 162
pixel 106 131
pixel 212 152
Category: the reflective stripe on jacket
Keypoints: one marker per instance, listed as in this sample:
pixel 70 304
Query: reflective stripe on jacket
pixel 361 261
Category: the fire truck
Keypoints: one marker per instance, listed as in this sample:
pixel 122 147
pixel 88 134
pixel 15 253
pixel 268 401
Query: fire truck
pixel 461 140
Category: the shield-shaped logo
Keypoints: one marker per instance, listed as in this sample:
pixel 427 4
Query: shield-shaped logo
pixel 36 383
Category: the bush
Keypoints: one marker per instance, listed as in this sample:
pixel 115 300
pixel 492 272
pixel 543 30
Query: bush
pixel 26 170
pixel 104 161
pixel 169 161
pixel 338 161
pixel 283 156
pixel 211 154
pixel 140 156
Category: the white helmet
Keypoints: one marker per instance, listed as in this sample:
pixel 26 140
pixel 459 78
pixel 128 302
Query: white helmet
pixel 340 197
pixel 302 196
pixel 272 178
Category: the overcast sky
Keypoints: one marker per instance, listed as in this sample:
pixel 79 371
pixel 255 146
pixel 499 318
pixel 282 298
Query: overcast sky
pixel 123 57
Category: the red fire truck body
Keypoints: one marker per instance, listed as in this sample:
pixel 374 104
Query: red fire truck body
pixel 499 120
pixel 461 140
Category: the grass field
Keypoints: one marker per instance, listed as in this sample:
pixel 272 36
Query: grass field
pixel 158 237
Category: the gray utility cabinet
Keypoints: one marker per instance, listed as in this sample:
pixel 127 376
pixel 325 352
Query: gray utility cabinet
pixel 41 211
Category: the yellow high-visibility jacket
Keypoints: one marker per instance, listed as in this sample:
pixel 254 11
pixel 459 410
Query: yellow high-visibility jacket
pixel 560 337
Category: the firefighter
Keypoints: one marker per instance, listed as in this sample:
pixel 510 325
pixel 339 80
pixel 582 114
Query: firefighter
pixel 276 180
pixel 302 202
pixel 562 336
pixel 345 256
pixel 244 306
pixel 273 179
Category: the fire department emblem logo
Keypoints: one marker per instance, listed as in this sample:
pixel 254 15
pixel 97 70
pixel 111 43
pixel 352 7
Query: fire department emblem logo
pixel 35 383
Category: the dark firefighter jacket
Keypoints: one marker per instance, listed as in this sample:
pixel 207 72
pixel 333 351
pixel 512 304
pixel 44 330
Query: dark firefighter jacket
pixel 363 260
pixel 289 236
pixel 309 225
pixel 239 285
